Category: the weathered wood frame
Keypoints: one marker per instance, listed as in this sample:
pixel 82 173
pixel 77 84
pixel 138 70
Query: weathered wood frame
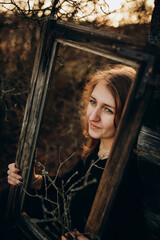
pixel 116 47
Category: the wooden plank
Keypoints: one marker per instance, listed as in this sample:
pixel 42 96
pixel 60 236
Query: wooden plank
pixel 148 143
pixel 30 229
pixel 128 129
pixel 42 72
pixel 113 54
pixel 65 29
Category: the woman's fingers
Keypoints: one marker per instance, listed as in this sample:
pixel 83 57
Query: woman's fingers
pixel 79 236
pixel 12 168
pixel 14 181
pixel 68 236
pixel 63 238
pixel 13 177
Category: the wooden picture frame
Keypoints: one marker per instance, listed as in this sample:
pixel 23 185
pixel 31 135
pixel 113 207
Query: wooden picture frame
pixel 113 46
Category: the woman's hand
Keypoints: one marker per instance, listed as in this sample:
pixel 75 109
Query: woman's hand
pixel 37 180
pixel 70 235
pixel 15 179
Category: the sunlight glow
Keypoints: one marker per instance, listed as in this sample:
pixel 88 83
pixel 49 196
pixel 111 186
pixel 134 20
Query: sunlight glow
pixel 150 3
pixel 123 16
pixel 114 4
pixel 114 12
pixel 47 4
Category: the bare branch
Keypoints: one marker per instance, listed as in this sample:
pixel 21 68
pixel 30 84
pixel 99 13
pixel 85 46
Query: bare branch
pixel 59 213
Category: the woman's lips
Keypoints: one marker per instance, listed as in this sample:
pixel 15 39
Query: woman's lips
pixel 94 126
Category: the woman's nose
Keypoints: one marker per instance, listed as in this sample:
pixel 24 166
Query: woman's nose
pixel 95 115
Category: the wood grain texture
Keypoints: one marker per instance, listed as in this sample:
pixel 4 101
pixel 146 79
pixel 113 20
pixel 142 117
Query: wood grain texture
pixel 41 75
pixel 67 29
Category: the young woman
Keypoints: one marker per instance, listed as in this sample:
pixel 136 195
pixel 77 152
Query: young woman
pixel 103 100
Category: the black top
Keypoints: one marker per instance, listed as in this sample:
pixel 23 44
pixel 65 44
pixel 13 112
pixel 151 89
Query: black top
pixel 125 220
pixel 80 187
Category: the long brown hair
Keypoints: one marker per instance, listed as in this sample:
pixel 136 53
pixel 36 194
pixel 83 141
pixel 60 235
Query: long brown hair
pixel 118 79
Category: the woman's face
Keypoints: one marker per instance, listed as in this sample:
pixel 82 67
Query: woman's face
pixel 101 113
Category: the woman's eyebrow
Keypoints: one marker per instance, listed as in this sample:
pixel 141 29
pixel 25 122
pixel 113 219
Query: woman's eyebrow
pixel 106 105
pixel 93 97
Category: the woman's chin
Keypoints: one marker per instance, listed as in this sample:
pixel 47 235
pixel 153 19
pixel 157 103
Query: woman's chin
pixel 94 135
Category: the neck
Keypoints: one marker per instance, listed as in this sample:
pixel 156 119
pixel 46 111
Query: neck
pixel 105 147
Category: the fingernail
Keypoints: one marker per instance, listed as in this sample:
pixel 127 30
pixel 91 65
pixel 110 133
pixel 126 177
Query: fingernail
pixel 20 184
pixel 20 179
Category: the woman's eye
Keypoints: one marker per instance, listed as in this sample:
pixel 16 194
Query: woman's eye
pixel 108 110
pixel 92 102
